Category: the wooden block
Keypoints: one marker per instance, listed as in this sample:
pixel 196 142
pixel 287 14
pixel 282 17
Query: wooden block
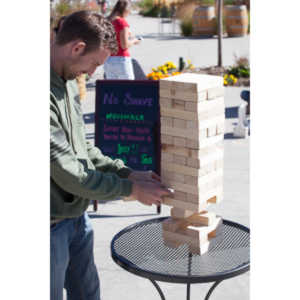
pixel 178 177
pixel 205 156
pixel 204 218
pixel 195 189
pixel 180 94
pixel 212 130
pixel 167 139
pixel 193 162
pixel 167 157
pixel 215 92
pixel 203 248
pixel 181 213
pixel 190 180
pixel 216 116
pixel 179 159
pixel 183 133
pixel 173 224
pixel 178 104
pixel 218 228
pixel 191 82
pixel 195 207
pixel 191 124
pixel 166 121
pixel 179 123
pixel 192 144
pixel 165 102
pixel 212 196
pixel 179 141
pixel 185 170
pixel 178 195
pixel 221 128
pixel 199 239
pixel 196 232
pixel 219 164
pixel 217 198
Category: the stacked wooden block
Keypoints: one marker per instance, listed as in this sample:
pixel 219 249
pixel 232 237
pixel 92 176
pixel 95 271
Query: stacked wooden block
pixel 192 132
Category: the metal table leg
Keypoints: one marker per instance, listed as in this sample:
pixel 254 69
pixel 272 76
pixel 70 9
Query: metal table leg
pixel 158 289
pixel 211 289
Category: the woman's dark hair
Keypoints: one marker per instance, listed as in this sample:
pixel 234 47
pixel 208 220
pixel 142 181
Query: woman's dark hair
pixel 119 9
pixel 90 27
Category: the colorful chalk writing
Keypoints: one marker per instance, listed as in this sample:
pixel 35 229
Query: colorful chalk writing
pixel 126 122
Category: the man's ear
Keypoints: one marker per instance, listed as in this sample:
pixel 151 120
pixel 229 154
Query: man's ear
pixel 78 48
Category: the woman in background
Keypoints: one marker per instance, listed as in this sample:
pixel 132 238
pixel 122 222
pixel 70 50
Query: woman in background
pixel 119 66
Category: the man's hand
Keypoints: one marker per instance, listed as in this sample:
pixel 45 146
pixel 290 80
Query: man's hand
pixel 144 175
pixel 149 192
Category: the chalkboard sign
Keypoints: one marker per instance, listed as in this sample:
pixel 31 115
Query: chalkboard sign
pixel 127 122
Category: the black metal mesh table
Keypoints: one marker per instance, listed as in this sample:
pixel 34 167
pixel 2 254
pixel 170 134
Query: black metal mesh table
pixel 140 249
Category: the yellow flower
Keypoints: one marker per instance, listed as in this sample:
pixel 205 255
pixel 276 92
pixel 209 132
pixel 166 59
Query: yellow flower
pixel 226 76
pixel 225 82
pixel 189 61
pixel 154 69
pixel 192 67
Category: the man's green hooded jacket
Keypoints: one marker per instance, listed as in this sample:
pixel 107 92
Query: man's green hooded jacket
pixel 79 171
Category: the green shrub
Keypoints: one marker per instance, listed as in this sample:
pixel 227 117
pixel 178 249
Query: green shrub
pixel 152 12
pixel 186 26
pixel 146 5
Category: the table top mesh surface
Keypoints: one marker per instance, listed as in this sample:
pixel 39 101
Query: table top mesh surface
pixel 140 248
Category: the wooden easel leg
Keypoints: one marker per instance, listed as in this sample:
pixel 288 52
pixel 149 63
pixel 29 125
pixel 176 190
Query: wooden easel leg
pixel 95 205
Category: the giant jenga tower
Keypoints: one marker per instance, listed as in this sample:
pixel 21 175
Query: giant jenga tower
pixel 192 132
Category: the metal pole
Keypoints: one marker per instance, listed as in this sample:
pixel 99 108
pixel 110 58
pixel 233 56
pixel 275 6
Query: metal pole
pixel 220 31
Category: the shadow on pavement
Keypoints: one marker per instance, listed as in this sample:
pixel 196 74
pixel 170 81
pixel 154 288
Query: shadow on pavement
pixel 92 216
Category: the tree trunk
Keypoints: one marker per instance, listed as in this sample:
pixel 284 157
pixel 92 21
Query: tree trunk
pixel 220 31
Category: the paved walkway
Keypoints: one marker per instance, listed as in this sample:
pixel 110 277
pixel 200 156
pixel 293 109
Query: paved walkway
pixel 114 216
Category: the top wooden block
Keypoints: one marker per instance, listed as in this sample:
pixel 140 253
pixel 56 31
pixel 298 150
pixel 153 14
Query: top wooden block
pixel 195 82
pixel 192 87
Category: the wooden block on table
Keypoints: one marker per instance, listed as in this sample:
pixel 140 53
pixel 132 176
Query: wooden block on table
pixel 178 104
pixel 166 122
pixel 203 218
pixel 212 130
pixel 211 107
pixel 187 95
pixel 195 207
pixel 167 177
pixel 179 141
pixel 179 123
pixel 204 143
pixel 183 133
pixel 211 196
pixel 221 128
pixel 203 248
pixel 189 84
pixel 173 224
pixel 181 213
pixel 194 236
pixel 165 102
pixel 185 170
pixel 167 139
pixel 196 232
pixel 216 115
pixel 205 156
pixel 179 159
pixel 167 157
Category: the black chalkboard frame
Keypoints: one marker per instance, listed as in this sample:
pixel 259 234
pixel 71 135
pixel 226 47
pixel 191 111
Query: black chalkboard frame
pixel 102 84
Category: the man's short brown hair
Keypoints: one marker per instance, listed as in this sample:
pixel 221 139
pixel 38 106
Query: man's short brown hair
pixel 91 28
